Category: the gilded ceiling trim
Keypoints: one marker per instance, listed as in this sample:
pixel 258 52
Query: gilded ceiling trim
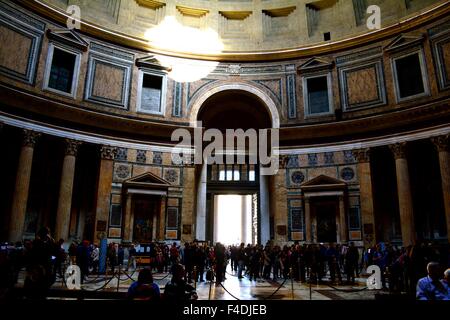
pixel 192 12
pixel 279 12
pixel 235 15
pixel 151 4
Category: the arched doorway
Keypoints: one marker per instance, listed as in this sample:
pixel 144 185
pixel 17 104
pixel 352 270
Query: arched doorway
pixel 224 188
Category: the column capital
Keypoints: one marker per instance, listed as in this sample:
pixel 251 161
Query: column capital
pixel 108 152
pixel 399 150
pixel 72 147
pixel 30 138
pixel 442 143
pixel 362 155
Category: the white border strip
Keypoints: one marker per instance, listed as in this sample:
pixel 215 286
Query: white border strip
pixel 406 137
pixel 411 136
pixel 86 137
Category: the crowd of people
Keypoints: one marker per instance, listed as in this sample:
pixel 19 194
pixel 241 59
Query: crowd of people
pixel 412 269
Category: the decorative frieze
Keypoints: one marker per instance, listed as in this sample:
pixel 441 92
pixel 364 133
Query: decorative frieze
pixel 362 155
pixel 108 152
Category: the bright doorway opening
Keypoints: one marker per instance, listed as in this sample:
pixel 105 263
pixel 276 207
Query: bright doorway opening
pixel 235 218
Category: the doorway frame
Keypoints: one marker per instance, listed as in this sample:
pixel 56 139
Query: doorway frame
pixel 325 186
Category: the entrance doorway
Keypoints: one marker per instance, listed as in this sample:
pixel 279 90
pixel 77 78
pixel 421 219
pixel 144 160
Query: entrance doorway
pixel 325 212
pixel 233 219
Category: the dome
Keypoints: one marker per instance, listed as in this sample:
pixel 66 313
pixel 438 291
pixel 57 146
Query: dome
pixel 227 27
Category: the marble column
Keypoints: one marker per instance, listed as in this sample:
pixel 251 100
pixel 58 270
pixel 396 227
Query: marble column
pixel 342 221
pixel 65 190
pixel 200 221
pixel 244 214
pixel 127 227
pixel 264 223
pixel 366 196
pixel 104 191
pixel 154 225
pixel 404 194
pixel 20 197
pixel 308 220
pixel 162 219
pixel 443 148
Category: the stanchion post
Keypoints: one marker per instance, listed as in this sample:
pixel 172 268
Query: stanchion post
pixel 118 278
pixel 292 282
pixel 310 287
pixel 195 277
pixel 210 286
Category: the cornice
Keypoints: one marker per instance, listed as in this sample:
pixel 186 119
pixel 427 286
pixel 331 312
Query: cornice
pixel 77 118
pixel 404 25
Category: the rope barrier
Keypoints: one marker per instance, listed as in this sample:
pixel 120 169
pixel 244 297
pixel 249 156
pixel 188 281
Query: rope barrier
pixel 279 287
pixel 128 276
pixel 162 277
pixel 346 290
pixel 101 288
pixel 229 292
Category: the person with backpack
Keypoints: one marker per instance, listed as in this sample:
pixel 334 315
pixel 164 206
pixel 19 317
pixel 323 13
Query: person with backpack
pixel 177 289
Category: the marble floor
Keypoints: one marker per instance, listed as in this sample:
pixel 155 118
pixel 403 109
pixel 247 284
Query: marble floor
pixel 235 289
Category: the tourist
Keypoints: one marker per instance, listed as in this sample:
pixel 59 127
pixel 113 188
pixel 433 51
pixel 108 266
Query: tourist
pixel 131 257
pixel 220 263
pixel 240 257
pixel 431 287
pixel 40 274
pixel 95 256
pixel 177 289
pixel 144 288
pixel 351 263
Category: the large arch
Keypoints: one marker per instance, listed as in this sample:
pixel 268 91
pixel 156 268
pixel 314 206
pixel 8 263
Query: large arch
pixel 209 91
pixel 232 106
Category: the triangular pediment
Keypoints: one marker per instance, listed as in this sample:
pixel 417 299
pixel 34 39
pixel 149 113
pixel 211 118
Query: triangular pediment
pixel 147 179
pixel 314 64
pixel 151 62
pixel 403 41
pixel 68 37
pixel 324 181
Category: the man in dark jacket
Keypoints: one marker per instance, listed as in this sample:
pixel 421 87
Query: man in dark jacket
pixel 351 263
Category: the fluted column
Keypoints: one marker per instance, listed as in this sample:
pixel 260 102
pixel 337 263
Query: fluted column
pixel 405 201
pixel 20 197
pixel 366 195
pixel 342 220
pixel 442 145
pixel 308 221
pixel 127 228
pixel 104 191
pixel 65 190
